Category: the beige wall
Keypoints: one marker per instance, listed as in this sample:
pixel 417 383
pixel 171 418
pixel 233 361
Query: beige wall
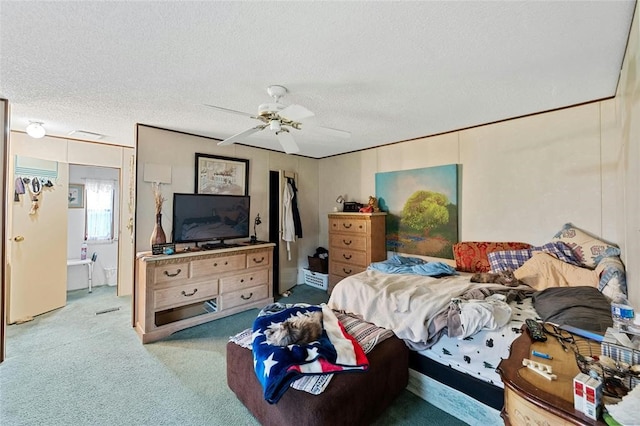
pixel 177 150
pixel 624 119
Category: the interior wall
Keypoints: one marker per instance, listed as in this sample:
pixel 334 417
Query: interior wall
pixel 521 180
pixel 624 116
pixel 177 150
pixel 105 267
pixel 4 135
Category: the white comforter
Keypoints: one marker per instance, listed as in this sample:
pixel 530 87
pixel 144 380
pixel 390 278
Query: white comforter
pixel 405 304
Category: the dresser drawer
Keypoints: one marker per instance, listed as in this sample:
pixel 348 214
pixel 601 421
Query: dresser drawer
pixel 216 265
pixel 244 296
pixel 237 282
pixel 344 269
pixel 523 413
pixel 261 258
pixel 346 241
pixel 356 226
pixel 181 295
pixel 176 273
pixel 349 256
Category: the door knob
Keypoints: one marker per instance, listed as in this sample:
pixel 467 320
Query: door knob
pixel 18 238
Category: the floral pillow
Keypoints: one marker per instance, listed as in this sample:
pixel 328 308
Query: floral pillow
pixel 471 256
pixel 613 281
pixel 587 248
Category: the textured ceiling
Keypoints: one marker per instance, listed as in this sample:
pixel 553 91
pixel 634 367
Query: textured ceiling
pixel 384 71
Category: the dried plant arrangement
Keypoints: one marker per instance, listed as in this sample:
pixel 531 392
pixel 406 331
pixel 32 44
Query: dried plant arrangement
pixel 158 197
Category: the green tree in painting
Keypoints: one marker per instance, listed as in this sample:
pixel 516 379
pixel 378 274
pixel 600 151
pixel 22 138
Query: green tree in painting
pixel 425 210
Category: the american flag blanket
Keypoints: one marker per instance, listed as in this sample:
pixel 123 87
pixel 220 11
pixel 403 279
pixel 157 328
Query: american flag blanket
pixel 277 366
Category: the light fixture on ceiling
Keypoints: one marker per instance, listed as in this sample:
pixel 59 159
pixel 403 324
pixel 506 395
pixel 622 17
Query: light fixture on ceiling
pixel 36 130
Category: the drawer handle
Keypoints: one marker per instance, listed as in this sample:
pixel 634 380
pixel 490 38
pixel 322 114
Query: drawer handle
pixel 216 264
pixel 173 275
pixel 247 297
pixel 346 225
pixel 347 243
pixel 195 290
pixel 242 280
pixel 347 257
pixel 345 271
pixel 258 261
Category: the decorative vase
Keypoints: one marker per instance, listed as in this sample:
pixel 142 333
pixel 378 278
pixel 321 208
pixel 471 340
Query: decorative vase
pixel 158 236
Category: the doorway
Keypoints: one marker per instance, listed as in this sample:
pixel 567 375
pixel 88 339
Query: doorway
pixel 75 297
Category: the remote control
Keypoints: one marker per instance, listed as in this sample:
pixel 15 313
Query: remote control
pixel 535 330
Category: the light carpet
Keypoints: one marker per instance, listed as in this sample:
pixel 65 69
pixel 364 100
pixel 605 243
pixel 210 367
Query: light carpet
pixel 76 366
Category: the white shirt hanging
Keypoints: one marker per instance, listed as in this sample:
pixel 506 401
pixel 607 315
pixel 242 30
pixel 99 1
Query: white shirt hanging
pixel 288 227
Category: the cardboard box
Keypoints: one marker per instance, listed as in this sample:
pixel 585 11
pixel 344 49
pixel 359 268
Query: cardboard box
pixel 578 390
pixel 592 398
pixel 318 264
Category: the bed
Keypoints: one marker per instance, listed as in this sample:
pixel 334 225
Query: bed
pixel 415 307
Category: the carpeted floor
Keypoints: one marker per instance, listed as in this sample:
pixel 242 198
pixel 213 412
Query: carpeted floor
pixel 84 365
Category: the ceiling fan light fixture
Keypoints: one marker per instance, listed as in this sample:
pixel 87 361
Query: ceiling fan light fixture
pixel 275 125
pixel 36 130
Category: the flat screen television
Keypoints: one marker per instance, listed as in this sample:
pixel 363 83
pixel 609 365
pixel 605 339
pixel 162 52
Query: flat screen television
pixel 209 218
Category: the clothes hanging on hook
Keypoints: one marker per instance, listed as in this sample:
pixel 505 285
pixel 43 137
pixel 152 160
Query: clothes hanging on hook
pixel 35 189
pixel 297 223
pixel 288 228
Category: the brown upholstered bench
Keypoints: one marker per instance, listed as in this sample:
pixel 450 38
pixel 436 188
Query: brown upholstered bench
pixel 350 399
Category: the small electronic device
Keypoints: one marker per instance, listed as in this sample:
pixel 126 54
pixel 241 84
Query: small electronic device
pixel 351 206
pixel 535 330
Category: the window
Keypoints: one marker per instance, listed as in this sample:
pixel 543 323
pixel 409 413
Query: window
pixel 100 206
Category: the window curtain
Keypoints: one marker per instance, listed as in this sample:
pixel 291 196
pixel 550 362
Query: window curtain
pixel 99 195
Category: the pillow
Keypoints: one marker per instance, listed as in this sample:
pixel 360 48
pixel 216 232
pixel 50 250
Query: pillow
pixel 508 259
pixel 561 251
pixel 587 248
pixel 613 281
pixel 544 271
pixel 513 259
pixel 471 256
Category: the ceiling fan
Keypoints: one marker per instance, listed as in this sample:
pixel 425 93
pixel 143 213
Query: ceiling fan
pixel 280 119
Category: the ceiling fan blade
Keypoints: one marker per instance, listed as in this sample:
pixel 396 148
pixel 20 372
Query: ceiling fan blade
pixel 286 140
pixel 328 131
pixel 295 113
pixel 232 111
pixel 241 135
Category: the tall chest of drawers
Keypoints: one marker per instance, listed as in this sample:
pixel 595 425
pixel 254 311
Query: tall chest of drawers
pixel 355 240
pixel 186 289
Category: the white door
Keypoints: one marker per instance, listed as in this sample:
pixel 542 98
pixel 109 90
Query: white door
pixel 37 268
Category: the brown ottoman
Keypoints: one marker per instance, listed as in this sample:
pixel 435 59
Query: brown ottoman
pixel 350 399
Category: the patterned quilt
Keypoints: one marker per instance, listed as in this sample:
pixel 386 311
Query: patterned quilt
pixel 277 367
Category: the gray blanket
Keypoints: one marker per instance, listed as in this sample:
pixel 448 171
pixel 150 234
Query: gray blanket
pixel 582 307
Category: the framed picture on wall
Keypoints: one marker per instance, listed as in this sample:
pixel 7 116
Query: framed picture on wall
pixel 76 196
pixel 221 175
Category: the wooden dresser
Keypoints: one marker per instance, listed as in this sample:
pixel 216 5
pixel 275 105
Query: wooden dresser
pixel 190 288
pixel 355 240
pixel 530 399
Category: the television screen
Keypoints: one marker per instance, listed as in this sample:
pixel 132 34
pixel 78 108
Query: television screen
pixel 209 217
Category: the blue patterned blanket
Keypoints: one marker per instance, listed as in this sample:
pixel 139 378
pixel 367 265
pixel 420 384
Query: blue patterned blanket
pixel 277 366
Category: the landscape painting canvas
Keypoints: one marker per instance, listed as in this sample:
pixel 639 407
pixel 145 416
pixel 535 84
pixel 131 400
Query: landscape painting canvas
pixel 422 210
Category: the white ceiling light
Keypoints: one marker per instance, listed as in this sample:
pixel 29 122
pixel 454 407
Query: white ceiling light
pixel 36 130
